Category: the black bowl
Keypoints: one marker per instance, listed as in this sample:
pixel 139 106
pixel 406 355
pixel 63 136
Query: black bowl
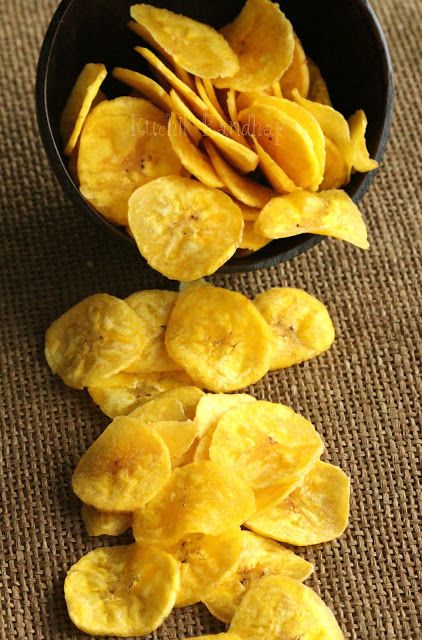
pixel 342 36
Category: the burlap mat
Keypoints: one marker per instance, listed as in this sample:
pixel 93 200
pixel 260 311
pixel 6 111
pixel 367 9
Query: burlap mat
pixel 362 395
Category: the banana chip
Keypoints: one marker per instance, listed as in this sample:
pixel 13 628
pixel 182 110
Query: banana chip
pixel 184 229
pixel 275 175
pixel 95 339
pixel 267 444
pixel 232 108
pixel 297 75
pixel 200 497
pixel 211 407
pixel 79 104
pixel 121 591
pixel 248 213
pixel 280 607
pixel 252 241
pixel 175 404
pixel 145 86
pixel 103 523
pixel 318 90
pixel 276 90
pixel 301 325
pixel 317 511
pixel 178 436
pixel 221 121
pixel 212 96
pixel 328 213
pixel 336 171
pixel 123 145
pixel 219 338
pixel 262 38
pixel 124 468
pixel 259 557
pixel 361 160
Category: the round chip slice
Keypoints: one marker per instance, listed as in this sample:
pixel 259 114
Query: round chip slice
pixel 123 145
pixel 95 339
pixel 220 338
pixel 301 325
pixel 317 511
pixel 184 39
pixel 336 171
pixel 124 468
pixel 211 407
pixel 200 497
pixel 146 86
pixel 184 229
pixel 280 607
pixel 259 557
pixel 121 591
pixel 175 404
pixel 267 444
pixel 275 175
pixel 103 523
pixel 297 75
pixel 262 37
pixel 318 91
pixel 361 160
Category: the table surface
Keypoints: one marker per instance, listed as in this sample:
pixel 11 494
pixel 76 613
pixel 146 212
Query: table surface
pixel 362 395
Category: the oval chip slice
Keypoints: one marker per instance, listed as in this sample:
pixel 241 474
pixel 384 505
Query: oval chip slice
pixel 184 229
pixel 105 523
pixel 212 406
pixel 124 468
pixel 121 591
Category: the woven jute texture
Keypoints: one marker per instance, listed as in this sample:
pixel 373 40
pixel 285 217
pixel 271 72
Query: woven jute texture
pixel 362 395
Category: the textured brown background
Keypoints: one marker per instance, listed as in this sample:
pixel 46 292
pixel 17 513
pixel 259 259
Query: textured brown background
pixel 362 395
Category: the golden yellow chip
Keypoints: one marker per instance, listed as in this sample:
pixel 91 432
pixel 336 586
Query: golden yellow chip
pixel 202 449
pixel 252 241
pixel 221 123
pixel 145 86
pixel 297 75
pixel 280 607
pixel 124 468
pixel 361 160
pixel 328 213
pixel 267 444
pixel 175 404
pixel 262 38
pixel 196 47
pixel 276 90
pixel 95 339
pixel 79 104
pixel 203 561
pixel 259 557
pixel 179 437
pixel 105 523
pixel 212 96
pixel 219 338
pixel 318 90
pixel 248 213
pixel 192 158
pixel 336 171
pixel 317 511
pixel 244 189
pixel 232 108
pixel 201 497
pixel 301 325
pixel 121 591
pixel 275 175
pixel 184 229
pixel 211 407
pixel 122 393
pixel 123 145
pixel 153 306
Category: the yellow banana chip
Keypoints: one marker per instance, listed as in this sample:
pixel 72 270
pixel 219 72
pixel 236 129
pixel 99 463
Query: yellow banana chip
pixel 196 47
pixel 121 591
pixel 123 145
pixel 202 449
pixel 79 104
pixel 328 213
pixel 219 338
pixel 124 468
pixel 275 175
pixel 201 497
pixel 301 325
pixel 252 241
pixel 276 90
pixel 248 213
pixel 145 86
pixel 315 512
pixel 221 121
pixel 184 229
pixel 212 96
pixel 318 90
pixel 232 108
pixel 175 404
pixel 95 339
pixel 280 607
pixel 259 557
pixel 361 160
pixel 153 306
pixel 178 436
pixel 336 170
pixel 267 444
pixel 262 38
pixel 297 74
pixel 211 407
pixel 105 523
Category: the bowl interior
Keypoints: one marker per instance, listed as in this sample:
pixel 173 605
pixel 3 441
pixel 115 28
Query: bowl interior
pixel 342 37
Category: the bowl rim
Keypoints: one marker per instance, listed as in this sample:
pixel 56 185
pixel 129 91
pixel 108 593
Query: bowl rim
pixel 252 262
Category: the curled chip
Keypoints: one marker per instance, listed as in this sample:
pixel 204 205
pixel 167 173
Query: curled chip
pixel 219 338
pixel 259 557
pixel 297 75
pixel 267 444
pixel 361 160
pixel 194 46
pixel 184 229
pixel 179 437
pixel 153 306
pixel 328 213
pixel 121 591
pixel 263 39
pixel 123 145
pixel 124 468
pixel 122 393
pixel 315 512
pixel 105 523
pixel 146 86
pixel 211 407
pixel 200 497
pixel 203 561
pixel 336 170
pixel 318 91
pixel 79 104
pixel 175 404
pixel 275 175
pixel 95 339
pixel 280 607
pixel 301 325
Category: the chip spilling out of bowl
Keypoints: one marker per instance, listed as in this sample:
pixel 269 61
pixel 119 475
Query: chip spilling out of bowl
pixel 232 142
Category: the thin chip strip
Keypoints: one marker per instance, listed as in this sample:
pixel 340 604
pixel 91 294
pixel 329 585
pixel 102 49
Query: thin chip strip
pixel 146 86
